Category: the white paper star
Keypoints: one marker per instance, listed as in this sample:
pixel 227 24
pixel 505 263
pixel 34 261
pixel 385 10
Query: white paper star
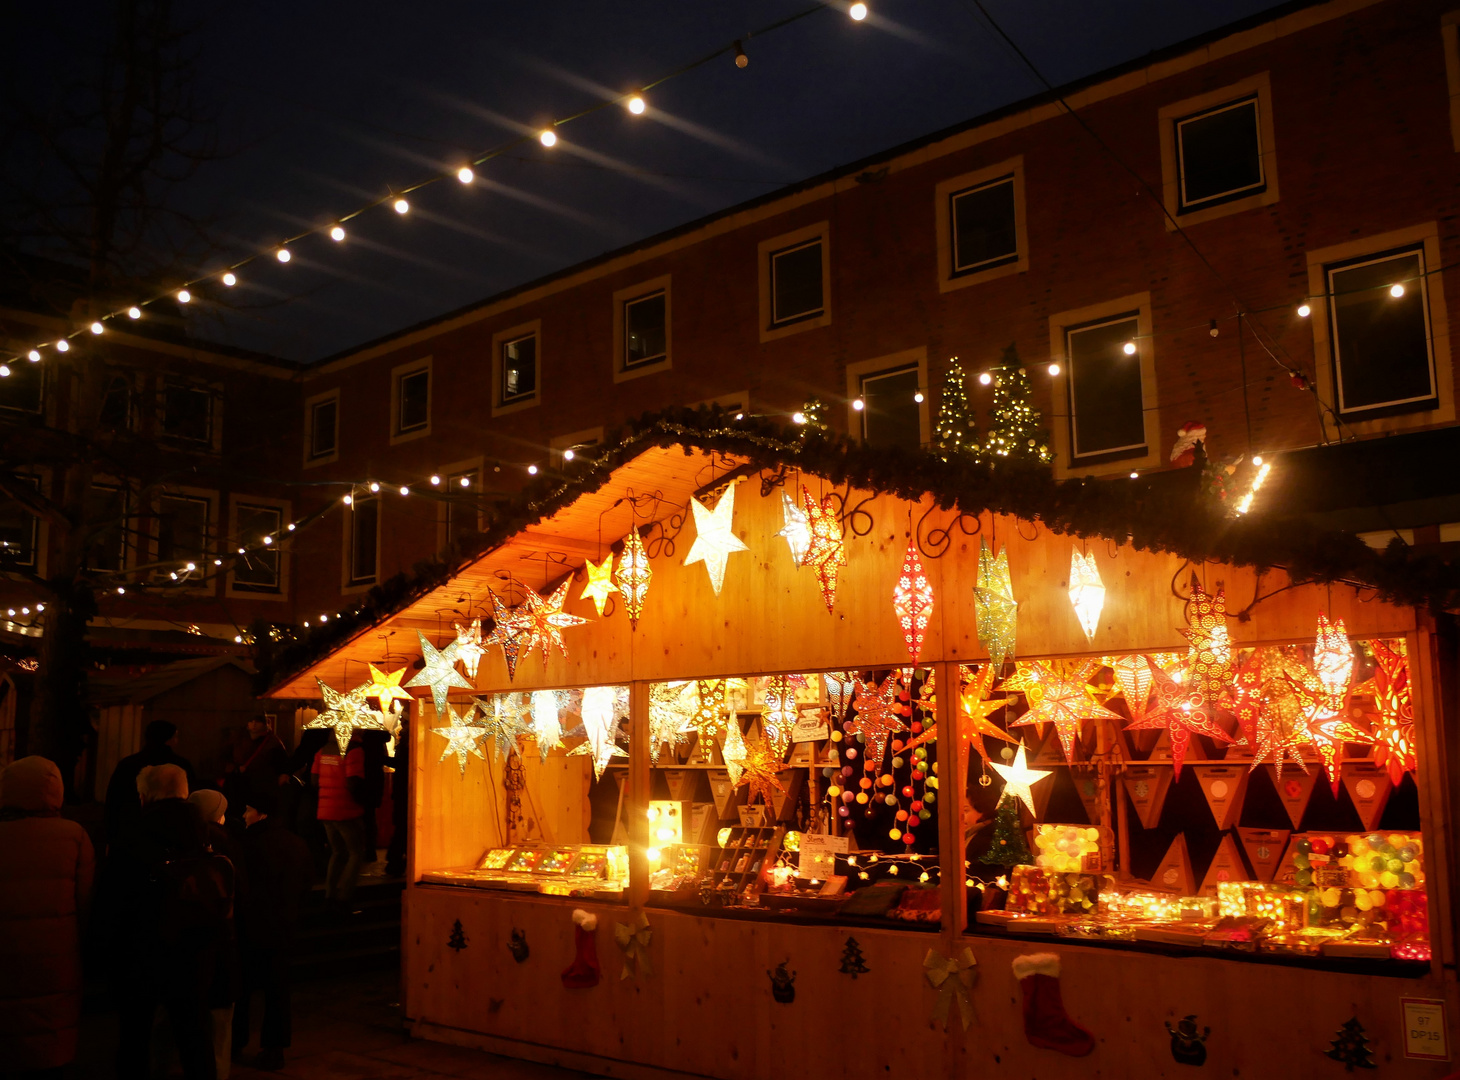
pixel 343 713
pixel 440 672
pixel 469 646
pixel 714 540
pixel 461 736
pixel 603 709
pixel 1087 592
pixel 546 727
pixel 797 529
pixel 1018 777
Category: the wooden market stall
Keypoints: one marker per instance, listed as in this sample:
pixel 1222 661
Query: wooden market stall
pixel 802 854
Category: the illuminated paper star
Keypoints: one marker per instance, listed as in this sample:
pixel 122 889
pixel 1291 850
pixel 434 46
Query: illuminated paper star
pixel 440 672
pixel 1274 715
pixel 875 719
pixel 778 714
pixel 604 708
pixel 839 687
pixel 1394 744
pixel 975 707
pixel 1181 708
pixel 469 646
pixel 796 530
pixel 345 713
pixel 670 716
pixel 504 720
pixel 1328 732
pixel 912 601
pixel 733 750
pixel 462 736
pixel 1067 704
pixel 1133 679
pixel 385 689
pixel 994 605
pixel 633 576
pixel 715 539
pixel 759 767
pixel 1087 592
pixel 600 582
pixel 543 621
pixel 711 707
pixel 1333 662
pixel 547 728
pixel 1018 777
pixel 826 553
pixel 508 627
pixel 1209 663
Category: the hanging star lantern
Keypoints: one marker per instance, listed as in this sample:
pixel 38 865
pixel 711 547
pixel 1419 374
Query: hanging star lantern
pixel 1394 743
pixel 1181 709
pixel 1328 732
pixel 1087 592
pixel 1333 662
pixel 975 707
pixel 462 736
pixel 508 628
pixel 994 606
pixel 826 553
pixel 633 576
pixel 603 709
pixel 1065 703
pixel 759 768
pixel 733 750
pixel 796 530
pixel 344 713
pixel 1209 662
pixel 544 620
pixel 670 716
pixel 1133 679
pixel 547 727
pixel 912 601
pixel 715 539
pixel 385 690
pixel 1247 697
pixel 1018 778
pixel 469 646
pixel 875 720
pixel 600 582
pixel 839 687
pixel 778 713
pixel 504 720
pixel 439 672
pixel 710 710
pixel 1277 711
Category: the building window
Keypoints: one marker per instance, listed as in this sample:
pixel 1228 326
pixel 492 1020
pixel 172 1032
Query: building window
pixel 891 413
pixel 413 401
pixel 364 537
pixel 187 413
pixel 24 390
pixel 1107 404
pixel 183 530
pixel 519 369
pixel 258 570
pixel 1219 152
pixel 796 283
pixel 463 516
pixel 645 322
pixel 116 404
pixel 324 423
pixel 1381 342
pixel 108 518
pixel 20 532
pixel 985 226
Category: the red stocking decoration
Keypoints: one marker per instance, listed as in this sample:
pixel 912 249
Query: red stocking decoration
pixel 1046 1024
pixel 583 971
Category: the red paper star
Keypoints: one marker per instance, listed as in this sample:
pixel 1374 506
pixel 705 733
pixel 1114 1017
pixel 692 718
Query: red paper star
pixel 1394 724
pixel 1066 703
pixel 912 601
pixel 875 719
pixel 826 553
pixel 1181 709
pixel 1276 695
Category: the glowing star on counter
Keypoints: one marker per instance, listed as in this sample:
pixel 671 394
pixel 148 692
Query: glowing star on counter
pixel 994 606
pixel 875 720
pixel 504 720
pixel 1133 680
pixel 1394 745
pixel 733 750
pixel 547 728
pixel 1067 704
pixel 796 530
pixel 711 708
pixel 670 716
pixel 1210 664
pixel 827 552
pixel 1018 778
pixel 344 713
pixel 439 672
pixel 604 707
pixel 633 576
pixel 778 714
pixel 1087 592
pixel 1333 662
pixel 507 631
pixel 912 601
pixel 839 687
pixel 759 767
pixel 469 646
pixel 1181 709
pixel 385 689
pixel 462 736
pixel 600 582
pixel 715 539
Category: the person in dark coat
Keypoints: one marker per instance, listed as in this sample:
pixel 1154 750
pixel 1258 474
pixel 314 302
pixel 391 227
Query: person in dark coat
pixel 223 991
pixel 278 866
pixel 259 760
pixel 122 802
pixel 45 889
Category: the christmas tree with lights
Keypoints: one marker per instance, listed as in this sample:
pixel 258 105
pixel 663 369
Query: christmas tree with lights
pixel 1009 847
pixel 1014 423
pixel 954 431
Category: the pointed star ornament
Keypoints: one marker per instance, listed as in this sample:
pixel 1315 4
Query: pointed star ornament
pixel 1018 778
pixel 759 767
pixel 600 582
pixel 1067 704
pixel 875 720
pixel 826 553
pixel 1394 743
pixel 712 705
pixel 543 621
pixel 1181 709
pixel 839 688
pixel 733 750
pixel 912 601
pixel 440 672
pixel 1275 694
pixel 715 540
pixel 603 710
pixel 469 646
pixel 1333 662
pixel 671 716
pixel 504 720
pixel 975 708
pixel 345 713
pixel 633 576
pixel 994 606
pixel 508 627
pixel 779 712
pixel 795 529
pixel 1087 592
pixel 1210 664
pixel 462 735
pixel 385 690
pixel 547 726
pixel 1133 679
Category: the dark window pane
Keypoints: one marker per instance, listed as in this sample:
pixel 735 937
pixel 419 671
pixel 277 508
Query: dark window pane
pixel 19 531
pixel 644 330
pixel 519 368
pixel 187 413
pixel 1221 156
pixel 22 390
pixel 1105 390
pixel 461 506
pixel 983 227
pixel 415 400
pixel 116 406
pixel 182 529
pixel 1383 349
pixel 364 530
pixel 106 517
pixel 796 283
pixel 322 428
pixel 890 415
pixel 258 570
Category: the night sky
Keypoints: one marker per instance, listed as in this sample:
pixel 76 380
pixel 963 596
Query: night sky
pixel 321 107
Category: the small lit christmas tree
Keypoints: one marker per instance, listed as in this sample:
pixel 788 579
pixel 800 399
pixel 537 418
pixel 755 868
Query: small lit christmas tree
pixel 1014 423
pixel 853 962
pixel 1009 847
pixel 1351 1047
pixel 955 429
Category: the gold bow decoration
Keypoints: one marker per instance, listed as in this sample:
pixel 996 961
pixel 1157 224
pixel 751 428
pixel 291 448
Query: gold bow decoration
pixel 952 978
pixel 633 938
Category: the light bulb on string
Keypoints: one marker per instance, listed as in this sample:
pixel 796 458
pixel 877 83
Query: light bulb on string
pixel 63 345
pixel 1054 369
pixel 405 490
pixel 857 11
pixel 465 175
pixel 401 206
pixel 548 137
pixel 268 540
pixel 134 313
pixel 349 500
pixel 230 279
pixel 741 60
pixel 466 480
pixel 918 397
pixel 290 526
pixel 858 404
pixel 636 105
pixel 1129 348
pixel 97 328
pixel 1135 476
pixel 435 480
pixel 568 454
pixel 337 233
pixel 985 378
pixel 183 296
pixel 33 356
pixel 798 418
pixel 1304 311
pixel 1396 290
pixel 532 470
pixel 283 253
pixel 4 371
pixel 1257 459
pixel 374 487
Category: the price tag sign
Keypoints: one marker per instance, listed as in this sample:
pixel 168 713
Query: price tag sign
pixel 810 726
pixel 818 854
pixel 1425 1034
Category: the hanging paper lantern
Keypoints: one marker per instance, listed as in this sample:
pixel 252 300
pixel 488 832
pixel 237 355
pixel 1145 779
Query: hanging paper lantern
pixel 1087 592
pixel 994 604
pixel 462 735
pixel 507 630
pixel 715 539
pixel 1333 662
pixel 1181 709
pixel 877 717
pixel 633 575
pixel 600 582
pixel 778 714
pixel 469 646
pixel 1133 678
pixel 603 708
pixel 1394 729
pixel 670 716
pixel 796 529
pixel 912 601
pixel 386 690
pixel 1209 663
pixel 1018 777
pixel 547 728
pixel 826 553
pixel 711 707
pixel 344 713
pixel 1066 703
pixel 439 672
pixel 733 750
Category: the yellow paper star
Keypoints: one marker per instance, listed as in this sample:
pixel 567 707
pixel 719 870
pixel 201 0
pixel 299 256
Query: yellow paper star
pixel 1067 704
pixel 759 768
pixel 996 610
pixel 715 541
pixel 1018 777
pixel 600 582
pixel 976 707
pixel 826 551
pixel 344 713
pixel 461 736
pixel 386 688
pixel 1210 661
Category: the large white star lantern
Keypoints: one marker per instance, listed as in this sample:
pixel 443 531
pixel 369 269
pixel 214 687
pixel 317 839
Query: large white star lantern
pixel 715 541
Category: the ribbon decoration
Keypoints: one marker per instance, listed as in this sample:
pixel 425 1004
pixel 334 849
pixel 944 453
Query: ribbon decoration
pixel 633 938
pixel 951 978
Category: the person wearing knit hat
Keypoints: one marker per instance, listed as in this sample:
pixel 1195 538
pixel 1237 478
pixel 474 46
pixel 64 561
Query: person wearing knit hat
pixel 223 991
pixel 46 866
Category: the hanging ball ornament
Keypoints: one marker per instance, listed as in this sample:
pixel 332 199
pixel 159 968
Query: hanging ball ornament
pixel 898 763
pixel 1007 754
pixel 885 780
pixel 864 783
pixel 890 800
pixel 862 797
pixel 833 791
pixel 851 753
pixel 923 815
pixel 901 814
pixel 929 798
pixel 836 736
pixel 895 834
pixel 846 770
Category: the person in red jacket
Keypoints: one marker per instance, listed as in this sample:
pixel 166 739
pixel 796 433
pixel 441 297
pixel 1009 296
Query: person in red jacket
pixel 340 779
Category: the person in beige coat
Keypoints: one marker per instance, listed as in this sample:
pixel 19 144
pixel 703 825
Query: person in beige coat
pixel 46 868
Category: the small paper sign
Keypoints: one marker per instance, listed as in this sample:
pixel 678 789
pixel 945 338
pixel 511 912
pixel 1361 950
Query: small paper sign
pixel 1147 786
pixel 1294 788
pixel 1225 787
pixel 819 852
pixel 1369 787
pixel 810 726
pixel 1264 849
pixel 1226 866
pixel 1425 1035
pixel 1174 874
pixel 1087 786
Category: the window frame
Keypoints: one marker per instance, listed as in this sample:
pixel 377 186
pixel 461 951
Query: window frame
pixel 944 219
pixel 501 339
pixel 43 398
pixel 310 404
pixel 214 441
pixel 398 375
pixel 349 584
pixel 1329 293
pixel 130 536
pixel 40 527
pixel 1257 87
pixel 208 582
pixel 232 589
pixel 778 245
pixel 622 298
pixel 1060 415
pixel 889 364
